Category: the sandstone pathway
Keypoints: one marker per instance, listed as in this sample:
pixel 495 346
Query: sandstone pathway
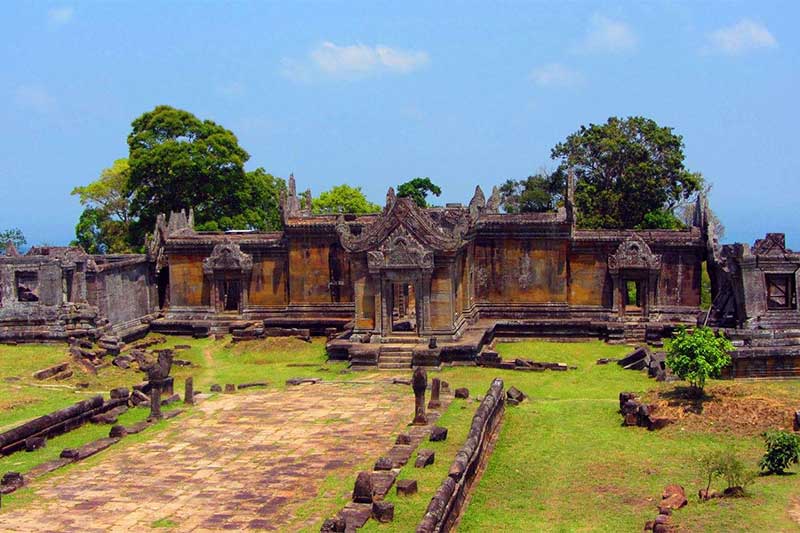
pixel 241 461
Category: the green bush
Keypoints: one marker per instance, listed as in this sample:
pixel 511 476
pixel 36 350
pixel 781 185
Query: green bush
pixel 726 465
pixel 783 449
pixel 698 355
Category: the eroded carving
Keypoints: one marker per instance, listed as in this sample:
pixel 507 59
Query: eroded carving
pixel 227 256
pixel 634 253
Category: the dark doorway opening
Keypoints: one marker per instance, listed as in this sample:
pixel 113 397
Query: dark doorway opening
pixel 163 287
pixel 404 308
pixel 230 292
pixel 633 295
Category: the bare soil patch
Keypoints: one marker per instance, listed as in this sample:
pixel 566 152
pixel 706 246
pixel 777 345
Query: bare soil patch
pixel 737 408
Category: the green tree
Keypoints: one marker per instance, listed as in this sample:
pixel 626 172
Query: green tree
pixel 178 161
pixel 15 236
pixel 105 223
pixel 418 189
pixel 259 197
pixel 343 199
pixel 783 450
pixel 698 355
pixel 535 194
pixel 625 169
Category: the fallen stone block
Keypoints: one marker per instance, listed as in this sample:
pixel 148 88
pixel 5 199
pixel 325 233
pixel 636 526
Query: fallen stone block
pixel 50 371
pixel 403 438
pixel 10 482
pixel 406 487
pixel 363 489
pixel 438 433
pixel 516 395
pixel 300 381
pixel 462 392
pixel 636 360
pixel 229 388
pixel 120 392
pixel 172 399
pixel 383 511
pixel 139 398
pixel 337 524
pixel 117 431
pixel 35 443
pixel 216 388
pixel 424 458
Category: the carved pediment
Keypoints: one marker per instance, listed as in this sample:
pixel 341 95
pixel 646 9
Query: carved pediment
pixel 403 212
pixel 400 251
pixel 773 244
pixel 229 257
pixel 634 253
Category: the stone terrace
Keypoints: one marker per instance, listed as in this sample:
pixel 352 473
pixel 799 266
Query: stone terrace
pixel 240 461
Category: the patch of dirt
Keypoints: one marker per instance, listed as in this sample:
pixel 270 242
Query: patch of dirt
pixel 730 408
pixel 266 345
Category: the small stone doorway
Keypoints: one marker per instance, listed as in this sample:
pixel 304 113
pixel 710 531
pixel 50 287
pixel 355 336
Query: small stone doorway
pixel 230 292
pixel 404 308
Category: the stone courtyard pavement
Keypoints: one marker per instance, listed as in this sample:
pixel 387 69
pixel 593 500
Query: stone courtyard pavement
pixel 240 461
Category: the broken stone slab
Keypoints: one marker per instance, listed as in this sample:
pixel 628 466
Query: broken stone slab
pixel 624 397
pixel 139 398
pixel 252 384
pixel 403 438
pixel 122 361
pixel 110 416
pixel 137 428
pixel 50 371
pixel 673 497
pixel 438 433
pixel 424 458
pixel 300 381
pixel 606 360
pixel 87 450
pixel 363 490
pixel 383 463
pixel 400 454
pixel 172 399
pixel 636 360
pixel 337 524
pixel 10 482
pixel 356 515
pixel 229 388
pixel 515 394
pixel 462 392
pixel 117 431
pixel 383 511
pixel 47 467
pixel 406 487
pixel 216 388
pixel 172 414
pixel 382 481
pixel 401 381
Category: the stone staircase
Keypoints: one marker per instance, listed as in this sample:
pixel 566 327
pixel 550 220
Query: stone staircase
pixel 395 356
pixel 635 333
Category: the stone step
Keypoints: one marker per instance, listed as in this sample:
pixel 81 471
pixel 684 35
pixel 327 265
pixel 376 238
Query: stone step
pixel 395 349
pixel 394 366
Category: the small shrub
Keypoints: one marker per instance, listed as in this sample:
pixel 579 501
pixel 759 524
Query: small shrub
pixel 783 449
pixel 698 355
pixel 726 465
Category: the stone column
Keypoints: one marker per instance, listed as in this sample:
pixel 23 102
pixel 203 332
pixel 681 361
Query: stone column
pixel 435 403
pixel 419 382
pixel 188 395
pixel 155 399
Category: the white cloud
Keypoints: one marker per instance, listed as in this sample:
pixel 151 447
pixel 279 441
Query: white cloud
pixel 34 97
pixel 608 36
pixel 556 75
pixel 744 36
pixel 353 61
pixel 58 16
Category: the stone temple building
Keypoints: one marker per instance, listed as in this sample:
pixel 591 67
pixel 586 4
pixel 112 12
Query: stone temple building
pixel 416 286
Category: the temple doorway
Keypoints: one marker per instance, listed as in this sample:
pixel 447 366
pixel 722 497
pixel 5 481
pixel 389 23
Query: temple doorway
pixel 230 291
pixel 634 296
pixel 404 308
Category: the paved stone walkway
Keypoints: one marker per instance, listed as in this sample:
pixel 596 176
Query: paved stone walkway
pixel 240 461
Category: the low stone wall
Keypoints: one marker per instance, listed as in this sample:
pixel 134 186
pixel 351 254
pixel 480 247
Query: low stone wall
pixel 446 505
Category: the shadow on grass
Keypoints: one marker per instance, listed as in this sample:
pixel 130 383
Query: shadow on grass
pixel 690 398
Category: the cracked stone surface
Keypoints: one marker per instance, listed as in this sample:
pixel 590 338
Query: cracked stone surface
pixel 242 461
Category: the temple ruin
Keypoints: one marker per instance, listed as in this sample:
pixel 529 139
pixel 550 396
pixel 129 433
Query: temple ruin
pixel 412 286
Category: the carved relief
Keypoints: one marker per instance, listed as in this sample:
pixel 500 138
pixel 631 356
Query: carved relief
pixel 525 275
pixel 227 256
pixel 400 250
pixel 634 253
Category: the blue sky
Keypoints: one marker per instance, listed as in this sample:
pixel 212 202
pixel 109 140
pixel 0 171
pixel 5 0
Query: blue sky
pixel 375 93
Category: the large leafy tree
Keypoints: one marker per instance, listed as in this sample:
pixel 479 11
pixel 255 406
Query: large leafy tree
pixel 343 199
pixel 104 225
pixel 418 190
pixel 13 235
pixel 629 173
pixel 178 161
pixel 535 194
pixel 698 355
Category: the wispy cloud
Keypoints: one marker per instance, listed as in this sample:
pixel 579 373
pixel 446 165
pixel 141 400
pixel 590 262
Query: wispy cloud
pixel 58 16
pixel 607 35
pixel 744 36
pixel 34 97
pixel 353 61
pixel 556 75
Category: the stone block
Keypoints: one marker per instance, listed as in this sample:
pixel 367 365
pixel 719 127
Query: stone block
pixel 406 487
pixel 462 392
pixel 383 511
pixel 34 443
pixel 120 393
pixel 363 490
pixel 403 438
pixel 383 463
pixel 438 433
pixel 216 388
pixel 515 394
pixel 229 388
pixel 117 431
pixel 424 458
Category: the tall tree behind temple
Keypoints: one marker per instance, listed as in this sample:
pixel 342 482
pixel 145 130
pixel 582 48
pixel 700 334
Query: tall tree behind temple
pixel 629 173
pixel 179 161
pixel 343 199
pixel 104 225
pixel 12 235
pixel 535 194
pixel 418 190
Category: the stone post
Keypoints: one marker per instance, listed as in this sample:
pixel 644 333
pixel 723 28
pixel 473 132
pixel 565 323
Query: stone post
pixel 419 382
pixel 155 399
pixel 435 403
pixel 188 394
pixel 157 374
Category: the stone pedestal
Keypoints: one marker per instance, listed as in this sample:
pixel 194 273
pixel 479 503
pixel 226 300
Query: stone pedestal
pixel 419 383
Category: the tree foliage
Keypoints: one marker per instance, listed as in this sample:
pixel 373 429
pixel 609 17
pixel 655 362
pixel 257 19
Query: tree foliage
pixel 14 235
pixel 178 161
pixel 343 199
pixel 535 194
pixel 698 355
pixel 783 450
pixel 726 465
pixel 104 225
pixel 418 189
pixel 624 170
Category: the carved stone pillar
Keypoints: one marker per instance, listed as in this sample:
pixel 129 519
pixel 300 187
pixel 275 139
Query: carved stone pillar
pixel 419 382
